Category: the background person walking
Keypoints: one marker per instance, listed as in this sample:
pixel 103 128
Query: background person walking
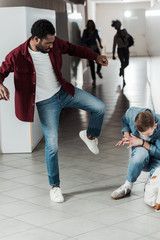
pixel 121 40
pixel 90 37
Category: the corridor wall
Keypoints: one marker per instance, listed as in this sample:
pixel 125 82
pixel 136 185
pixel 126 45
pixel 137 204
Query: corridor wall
pixel 153 45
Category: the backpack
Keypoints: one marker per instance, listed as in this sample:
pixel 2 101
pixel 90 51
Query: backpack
pixel 130 41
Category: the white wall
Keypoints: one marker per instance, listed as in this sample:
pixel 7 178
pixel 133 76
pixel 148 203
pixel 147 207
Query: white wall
pixel 153 44
pixel 105 13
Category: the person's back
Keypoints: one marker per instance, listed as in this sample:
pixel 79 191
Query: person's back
pixel 121 39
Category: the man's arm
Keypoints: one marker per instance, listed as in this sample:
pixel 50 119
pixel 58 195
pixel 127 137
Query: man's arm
pixel 81 52
pixel 125 130
pixel 125 122
pixel 6 67
pixel 155 149
pixel 114 48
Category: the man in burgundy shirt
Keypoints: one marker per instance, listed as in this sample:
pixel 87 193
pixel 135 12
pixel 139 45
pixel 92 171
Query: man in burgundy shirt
pixel 38 80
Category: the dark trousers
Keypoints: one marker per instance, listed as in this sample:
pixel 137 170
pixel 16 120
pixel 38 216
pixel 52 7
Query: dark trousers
pixel 92 66
pixel 123 54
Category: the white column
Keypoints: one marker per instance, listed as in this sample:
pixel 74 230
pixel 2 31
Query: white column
pixel 91 10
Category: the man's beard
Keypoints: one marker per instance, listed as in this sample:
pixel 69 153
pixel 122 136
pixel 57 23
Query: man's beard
pixel 40 49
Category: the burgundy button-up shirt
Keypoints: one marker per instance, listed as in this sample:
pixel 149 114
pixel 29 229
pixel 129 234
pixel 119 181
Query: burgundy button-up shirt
pixel 20 62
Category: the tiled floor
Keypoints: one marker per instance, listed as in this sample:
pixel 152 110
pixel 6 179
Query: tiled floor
pixel 88 213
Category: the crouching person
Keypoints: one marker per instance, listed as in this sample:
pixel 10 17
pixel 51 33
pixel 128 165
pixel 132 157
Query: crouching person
pixel 141 130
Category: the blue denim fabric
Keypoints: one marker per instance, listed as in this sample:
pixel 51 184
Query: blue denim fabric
pixel 49 112
pixel 142 159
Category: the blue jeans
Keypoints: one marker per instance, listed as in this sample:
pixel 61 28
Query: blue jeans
pixel 49 112
pixel 141 161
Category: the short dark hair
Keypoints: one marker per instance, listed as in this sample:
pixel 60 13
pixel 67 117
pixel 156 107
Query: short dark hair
pixel 115 23
pixel 42 28
pixel 144 120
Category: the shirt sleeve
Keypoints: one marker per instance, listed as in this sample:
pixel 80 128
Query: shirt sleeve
pixel 125 122
pixel 155 149
pixel 76 50
pixel 6 67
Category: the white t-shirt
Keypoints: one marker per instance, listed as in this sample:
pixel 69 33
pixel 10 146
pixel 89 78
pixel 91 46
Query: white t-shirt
pixel 46 81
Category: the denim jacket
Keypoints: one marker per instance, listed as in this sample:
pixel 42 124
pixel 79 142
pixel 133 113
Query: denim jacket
pixel 128 125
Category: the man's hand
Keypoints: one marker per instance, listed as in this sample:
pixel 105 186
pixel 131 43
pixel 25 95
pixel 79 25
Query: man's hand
pixel 125 140
pixel 4 93
pixel 131 140
pixel 113 57
pixel 134 141
pixel 101 59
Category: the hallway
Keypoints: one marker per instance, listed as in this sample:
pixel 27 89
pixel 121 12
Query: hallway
pixel 87 180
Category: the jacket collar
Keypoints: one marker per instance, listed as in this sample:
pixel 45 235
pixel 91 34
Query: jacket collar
pixel 25 51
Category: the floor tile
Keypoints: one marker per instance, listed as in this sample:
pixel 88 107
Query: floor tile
pixel 43 217
pixel 12 226
pixel 109 233
pixel 17 208
pixel 143 225
pixel 35 234
pixel 74 226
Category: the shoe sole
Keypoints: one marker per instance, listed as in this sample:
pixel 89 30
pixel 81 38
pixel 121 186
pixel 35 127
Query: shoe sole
pixel 57 201
pixel 116 198
pixel 60 201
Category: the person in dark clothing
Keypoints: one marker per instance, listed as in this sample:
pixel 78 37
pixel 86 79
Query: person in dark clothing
pixel 90 37
pixel 121 40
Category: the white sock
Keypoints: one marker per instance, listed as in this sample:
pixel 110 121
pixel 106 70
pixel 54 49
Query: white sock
pixel 128 184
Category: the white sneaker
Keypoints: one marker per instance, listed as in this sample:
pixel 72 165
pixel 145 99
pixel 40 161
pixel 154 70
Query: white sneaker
pixel 56 195
pixel 121 192
pixel 91 144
